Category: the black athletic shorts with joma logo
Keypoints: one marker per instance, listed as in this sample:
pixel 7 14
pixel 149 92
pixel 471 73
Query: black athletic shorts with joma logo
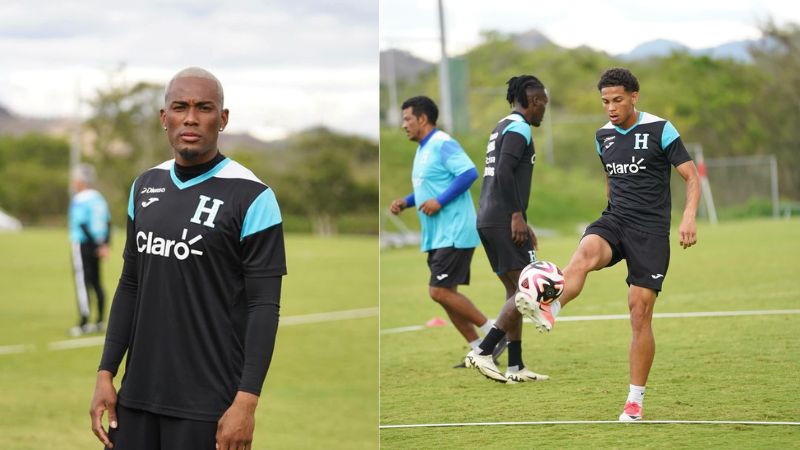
pixel 449 266
pixel 646 254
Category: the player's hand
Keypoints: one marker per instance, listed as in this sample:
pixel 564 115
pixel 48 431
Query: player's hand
pixel 688 231
pixel 103 251
pixel 105 398
pixel 235 427
pixel 519 229
pixel 398 205
pixel 430 207
pixel 534 241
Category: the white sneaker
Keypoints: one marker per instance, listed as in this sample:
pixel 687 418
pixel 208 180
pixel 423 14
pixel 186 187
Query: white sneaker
pixel 485 365
pixel 631 413
pixel 77 331
pixel 521 376
pixel 539 314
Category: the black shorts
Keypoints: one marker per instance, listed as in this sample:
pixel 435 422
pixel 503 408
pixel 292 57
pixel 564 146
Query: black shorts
pixel 143 430
pixel 646 254
pixel 449 266
pixel 504 255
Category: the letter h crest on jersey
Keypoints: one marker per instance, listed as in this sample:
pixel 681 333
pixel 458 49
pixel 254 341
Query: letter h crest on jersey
pixel 640 141
pixel 202 208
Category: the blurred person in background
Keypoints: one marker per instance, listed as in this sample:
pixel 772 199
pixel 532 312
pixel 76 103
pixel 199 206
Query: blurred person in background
pixel 441 177
pixel 89 232
pixel 507 237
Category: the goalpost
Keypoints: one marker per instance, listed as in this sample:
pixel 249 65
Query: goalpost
pixel 735 186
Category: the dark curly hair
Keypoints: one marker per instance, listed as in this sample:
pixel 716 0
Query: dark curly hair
pixel 517 87
pixel 422 105
pixel 618 76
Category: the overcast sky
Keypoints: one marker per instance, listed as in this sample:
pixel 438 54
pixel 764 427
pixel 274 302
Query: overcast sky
pixel 615 26
pixel 285 64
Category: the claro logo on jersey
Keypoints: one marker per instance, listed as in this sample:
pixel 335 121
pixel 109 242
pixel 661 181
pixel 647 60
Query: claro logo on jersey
pixel 624 169
pixel 154 245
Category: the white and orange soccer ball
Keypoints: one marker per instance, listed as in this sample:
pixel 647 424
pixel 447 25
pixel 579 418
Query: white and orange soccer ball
pixel 541 281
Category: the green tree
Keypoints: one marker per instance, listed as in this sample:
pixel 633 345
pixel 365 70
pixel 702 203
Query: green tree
pixel 127 139
pixel 331 175
pixel 34 174
pixel 778 101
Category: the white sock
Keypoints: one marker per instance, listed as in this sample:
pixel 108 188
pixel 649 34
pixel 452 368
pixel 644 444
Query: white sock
pixel 476 344
pixel 514 368
pixel 636 394
pixel 487 327
pixel 555 308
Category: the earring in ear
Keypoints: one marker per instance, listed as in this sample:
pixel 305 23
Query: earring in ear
pixel 165 128
pixel 220 129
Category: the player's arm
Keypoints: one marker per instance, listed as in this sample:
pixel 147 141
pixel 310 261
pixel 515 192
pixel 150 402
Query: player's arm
pixel 455 160
pixel 120 322
pixel 602 163
pixel 460 184
pixel 263 264
pixel 236 426
pixel 677 155
pixel 400 204
pixel 514 145
pixel 83 212
pixel 688 226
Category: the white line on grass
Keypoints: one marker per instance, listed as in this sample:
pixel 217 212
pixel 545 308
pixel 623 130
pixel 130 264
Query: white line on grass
pixel 403 329
pixel 76 343
pixel 329 316
pixel 286 321
pixel 625 316
pixel 590 422
pixel 12 349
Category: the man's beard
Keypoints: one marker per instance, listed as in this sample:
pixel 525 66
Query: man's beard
pixel 189 154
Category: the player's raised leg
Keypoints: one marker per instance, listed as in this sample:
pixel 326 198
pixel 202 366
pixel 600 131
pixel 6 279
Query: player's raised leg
pixel 593 253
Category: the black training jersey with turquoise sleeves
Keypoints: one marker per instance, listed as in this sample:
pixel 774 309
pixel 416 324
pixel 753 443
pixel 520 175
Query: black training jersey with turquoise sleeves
pixel 193 244
pixel 510 157
pixel 638 163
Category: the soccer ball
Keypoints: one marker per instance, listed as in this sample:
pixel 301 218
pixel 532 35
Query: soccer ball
pixel 542 281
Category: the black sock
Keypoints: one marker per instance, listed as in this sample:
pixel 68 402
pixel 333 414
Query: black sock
pixel 515 354
pixel 491 340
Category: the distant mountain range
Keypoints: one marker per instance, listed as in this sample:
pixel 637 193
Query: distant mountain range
pixel 737 50
pixel 10 123
pixel 407 66
pixel 13 124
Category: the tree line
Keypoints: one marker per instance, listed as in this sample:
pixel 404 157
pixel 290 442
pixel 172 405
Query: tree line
pixel 731 108
pixel 326 182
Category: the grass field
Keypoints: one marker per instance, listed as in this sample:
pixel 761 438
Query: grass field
pixel 741 368
pixel 321 391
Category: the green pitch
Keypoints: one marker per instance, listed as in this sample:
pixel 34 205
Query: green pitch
pixel 321 391
pixel 708 368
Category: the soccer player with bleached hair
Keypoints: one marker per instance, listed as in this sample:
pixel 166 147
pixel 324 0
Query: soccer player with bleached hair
pixel 638 151
pixel 196 309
